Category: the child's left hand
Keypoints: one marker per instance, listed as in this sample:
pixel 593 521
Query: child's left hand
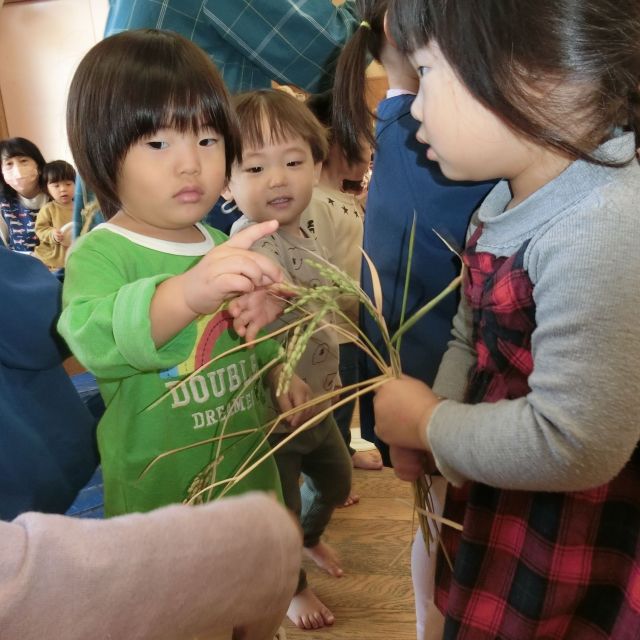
pixel 299 392
pixel 58 236
pixel 255 310
pixel 403 409
pixel 409 464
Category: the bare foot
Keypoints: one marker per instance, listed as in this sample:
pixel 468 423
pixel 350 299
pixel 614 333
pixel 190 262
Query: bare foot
pixel 352 498
pixel 370 460
pixel 306 611
pixel 326 558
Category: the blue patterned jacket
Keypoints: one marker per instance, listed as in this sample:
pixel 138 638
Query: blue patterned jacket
pixel 21 224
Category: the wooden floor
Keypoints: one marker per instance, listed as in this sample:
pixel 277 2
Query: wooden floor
pixel 374 599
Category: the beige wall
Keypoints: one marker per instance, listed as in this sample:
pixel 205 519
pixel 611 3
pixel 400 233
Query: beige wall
pixel 41 43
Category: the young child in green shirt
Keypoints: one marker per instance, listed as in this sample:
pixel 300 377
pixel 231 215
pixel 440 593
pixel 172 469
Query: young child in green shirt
pixel 152 133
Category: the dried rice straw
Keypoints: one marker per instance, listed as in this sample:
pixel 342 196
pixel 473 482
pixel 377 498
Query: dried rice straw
pixel 314 305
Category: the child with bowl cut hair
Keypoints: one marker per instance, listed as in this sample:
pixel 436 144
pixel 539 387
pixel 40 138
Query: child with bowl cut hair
pixel 153 134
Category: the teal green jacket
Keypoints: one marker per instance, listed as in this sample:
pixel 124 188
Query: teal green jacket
pixel 252 41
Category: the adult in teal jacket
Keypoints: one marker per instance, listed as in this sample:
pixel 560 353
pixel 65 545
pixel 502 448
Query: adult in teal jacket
pixel 252 41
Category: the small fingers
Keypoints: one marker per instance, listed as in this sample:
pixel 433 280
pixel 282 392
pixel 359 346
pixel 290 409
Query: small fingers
pixel 228 285
pixel 246 238
pixel 408 464
pixel 240 326
pixel 252 329
pixel 261 270
pixel 285 404
pixel 271 270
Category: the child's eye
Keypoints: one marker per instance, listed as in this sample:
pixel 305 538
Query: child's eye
pixel 422 71
pixel 294 163
pixel 157 144
pixel 253 169
pixel 208 142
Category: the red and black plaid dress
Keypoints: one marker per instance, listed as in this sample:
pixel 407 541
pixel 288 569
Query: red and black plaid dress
pixel 556 566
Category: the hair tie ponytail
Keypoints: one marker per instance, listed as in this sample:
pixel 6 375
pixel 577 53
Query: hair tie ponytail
pixel 365 24
pixel 634 112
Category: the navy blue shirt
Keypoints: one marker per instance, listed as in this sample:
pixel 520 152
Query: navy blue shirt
pixel 47 436
pixel 404 181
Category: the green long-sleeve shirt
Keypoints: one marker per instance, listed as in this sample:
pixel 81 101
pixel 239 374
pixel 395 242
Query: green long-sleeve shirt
pixel 111 277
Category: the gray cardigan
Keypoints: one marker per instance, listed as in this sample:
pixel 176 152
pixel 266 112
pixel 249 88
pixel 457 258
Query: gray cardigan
pixel 580 423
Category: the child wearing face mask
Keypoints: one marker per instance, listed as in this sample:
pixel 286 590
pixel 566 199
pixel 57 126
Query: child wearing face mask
pixel 22 192
pixel 54 218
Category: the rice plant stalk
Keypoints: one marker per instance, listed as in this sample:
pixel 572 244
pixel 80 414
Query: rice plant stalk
pixel 314 305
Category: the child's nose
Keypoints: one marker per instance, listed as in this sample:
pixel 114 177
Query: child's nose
pixel 189 161
pixel 277 177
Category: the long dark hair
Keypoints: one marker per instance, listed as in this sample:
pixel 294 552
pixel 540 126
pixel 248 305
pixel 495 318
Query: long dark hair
pixel 352 119
pixel 12 147
pixel 548 69
pixel 131 85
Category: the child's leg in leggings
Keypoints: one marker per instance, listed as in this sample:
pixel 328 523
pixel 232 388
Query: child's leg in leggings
pixel 429 621
pixel 348 375
pixel 306 610
pixel 327 482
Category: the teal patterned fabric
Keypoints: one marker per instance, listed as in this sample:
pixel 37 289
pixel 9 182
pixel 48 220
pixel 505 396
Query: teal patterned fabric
pixel 251 41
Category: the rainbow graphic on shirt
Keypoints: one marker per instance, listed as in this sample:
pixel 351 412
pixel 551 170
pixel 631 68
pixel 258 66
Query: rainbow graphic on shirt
pixel 209 329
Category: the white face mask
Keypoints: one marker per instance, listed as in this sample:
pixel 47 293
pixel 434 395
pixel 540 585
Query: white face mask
pixel 21 174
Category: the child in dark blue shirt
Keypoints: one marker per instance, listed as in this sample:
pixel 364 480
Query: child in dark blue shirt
pixel 47 447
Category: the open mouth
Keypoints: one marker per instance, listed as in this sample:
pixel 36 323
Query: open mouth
pixel 280 202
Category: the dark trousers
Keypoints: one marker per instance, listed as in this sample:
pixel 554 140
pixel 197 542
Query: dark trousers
pixel 321 455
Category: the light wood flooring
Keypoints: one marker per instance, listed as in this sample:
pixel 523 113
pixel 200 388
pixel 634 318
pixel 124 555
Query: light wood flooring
pixel 374 599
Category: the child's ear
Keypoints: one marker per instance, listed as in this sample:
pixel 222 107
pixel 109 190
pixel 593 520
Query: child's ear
pixel 226 193
pixel 317 170
pixel 387 32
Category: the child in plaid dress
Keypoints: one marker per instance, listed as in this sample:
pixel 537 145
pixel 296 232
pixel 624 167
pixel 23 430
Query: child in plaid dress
pixel 405 187
pixel 534 416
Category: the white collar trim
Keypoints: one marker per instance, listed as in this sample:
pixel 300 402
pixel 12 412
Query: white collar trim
pixel 165 246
